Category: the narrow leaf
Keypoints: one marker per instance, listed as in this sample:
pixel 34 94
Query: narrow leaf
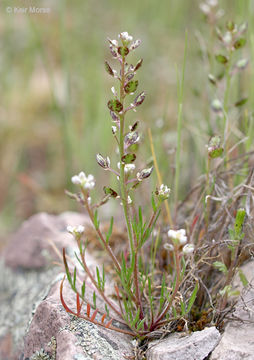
pixel 109 323
pixel 103 318
pixel 94 315
pixel 78 305
pixel 243 278
pixel 192 298
pixel 88 309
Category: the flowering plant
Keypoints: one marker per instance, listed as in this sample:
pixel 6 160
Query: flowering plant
pixel 148 297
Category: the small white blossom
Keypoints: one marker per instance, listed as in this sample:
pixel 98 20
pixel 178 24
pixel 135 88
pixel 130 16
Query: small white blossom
pixel 127 167
pixel 205 8
pixel 188 249
pixel 114 42
pixel 168 247
pixel 212 3
pixel 114 91
pixel 125 37
pixel 164 191
pixel 76 230
pixel 114 129
pixel 86 182
pixel 178 235
pixel 129 200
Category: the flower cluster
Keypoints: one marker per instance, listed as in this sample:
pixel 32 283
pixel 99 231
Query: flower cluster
pixel 85 182
pixel 76 230
pixel 178 236
pixel 163 192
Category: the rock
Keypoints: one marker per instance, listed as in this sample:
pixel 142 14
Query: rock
pixel 237 341
pixel 20 293
pixel 29 247
pixel 196 346
pixel 73 337
pixel 29 295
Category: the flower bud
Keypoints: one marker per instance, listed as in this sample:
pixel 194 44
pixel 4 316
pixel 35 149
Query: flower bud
pixel 103 162
pixel 188 249
pixel 145 173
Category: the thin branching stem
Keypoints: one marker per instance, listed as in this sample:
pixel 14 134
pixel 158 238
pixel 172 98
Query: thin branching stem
pixel 107 246
pixel 176 288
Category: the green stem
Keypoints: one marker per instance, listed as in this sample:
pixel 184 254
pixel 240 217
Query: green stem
pixel 208 190
pixel 107 247
pixel 180 86
pixel 225 106
pixel 124 194
pixel 177 285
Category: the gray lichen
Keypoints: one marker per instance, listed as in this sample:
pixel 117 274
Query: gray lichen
pixel 21 291
pixel 93 344
pixel 41 355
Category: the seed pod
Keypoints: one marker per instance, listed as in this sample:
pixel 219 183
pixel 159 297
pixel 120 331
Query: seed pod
pixel 109 191
pixel 139 99
pixel 109 69
pixel 131 138
pixel 145 173
pixel 115 105
pixel 123 50
pixel 128 158
pixel 131 87
pixel 115 118
pixel 139 64
pixel 103 162
pixel 135 44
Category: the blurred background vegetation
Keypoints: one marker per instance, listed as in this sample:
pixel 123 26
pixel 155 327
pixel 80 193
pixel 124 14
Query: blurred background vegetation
pixel 54 90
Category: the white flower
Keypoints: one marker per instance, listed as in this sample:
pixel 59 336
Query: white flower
pixel 114 42
pixel 76 230
pixel 178 235
pixel 168 247
pixel 86 182
pixel 188 249
pixel 164 191
pixel 127 167
pixel 114 91
pixel 212 2
pixel 114 129
pixel 129 200
pixel 205 8
pixel 125 37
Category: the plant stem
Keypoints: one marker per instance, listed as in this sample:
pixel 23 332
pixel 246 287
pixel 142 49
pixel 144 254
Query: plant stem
pixel 225 110
pixel 179 126
pixel 124 195
pixel 159 175
pixel 101 292
pixel 121 152
pixel 208 190
pixel 177 285
pixel 107 247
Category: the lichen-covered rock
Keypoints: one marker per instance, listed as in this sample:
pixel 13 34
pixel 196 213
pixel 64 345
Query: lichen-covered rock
pixel 20 293
pixel 196 346
pixel 74 337
pixel 237 341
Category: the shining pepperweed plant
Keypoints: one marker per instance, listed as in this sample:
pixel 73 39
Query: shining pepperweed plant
pixel 147 298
